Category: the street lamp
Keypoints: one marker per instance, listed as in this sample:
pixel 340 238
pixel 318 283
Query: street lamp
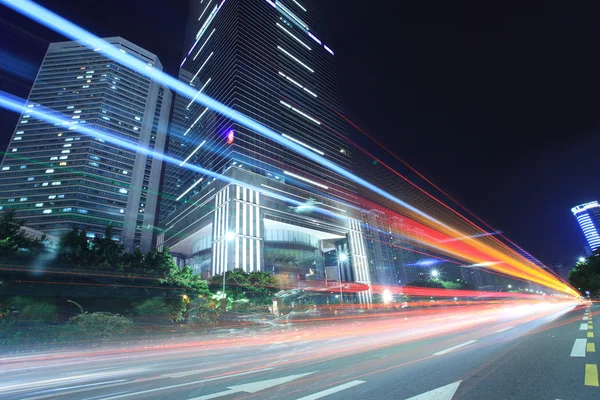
pixel 581 259
pixel 510 286
pixel 435 273
pixel 229 236
pixel 343 257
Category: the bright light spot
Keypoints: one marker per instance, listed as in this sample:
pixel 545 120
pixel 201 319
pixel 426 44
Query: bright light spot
pixel 435 273
pixel 387 296
pixel 230 236
pixel 343 257
pixel 581 259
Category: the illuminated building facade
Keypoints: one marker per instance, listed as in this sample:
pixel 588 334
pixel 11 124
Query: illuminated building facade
pixel 56 177
pixel 588 217
pixel 271 61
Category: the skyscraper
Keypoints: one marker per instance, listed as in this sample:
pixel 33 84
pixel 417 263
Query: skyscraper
pixel 272 62
pixel 588 217
pixel 56 177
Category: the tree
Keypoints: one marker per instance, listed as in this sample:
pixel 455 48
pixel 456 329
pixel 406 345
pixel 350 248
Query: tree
pixel 108 253
pixel 586 275
pixel 12 238
pixel 75 249
pixel 258 288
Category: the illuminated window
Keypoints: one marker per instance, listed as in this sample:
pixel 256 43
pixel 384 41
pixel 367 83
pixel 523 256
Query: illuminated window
pixel 23 199
pixel 39 204
pixel 5 168
pixel 48 211
pixel 49 171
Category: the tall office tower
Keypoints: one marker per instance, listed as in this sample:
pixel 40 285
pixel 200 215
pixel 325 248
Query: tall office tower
pixel 56 177
pixel 271 61
pixel 588 217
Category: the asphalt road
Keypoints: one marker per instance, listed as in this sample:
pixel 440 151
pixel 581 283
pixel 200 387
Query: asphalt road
pixel 492 352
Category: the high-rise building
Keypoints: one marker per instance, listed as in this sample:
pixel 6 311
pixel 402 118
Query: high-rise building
pixel 57 177
pixel 588 217
pixel 272 61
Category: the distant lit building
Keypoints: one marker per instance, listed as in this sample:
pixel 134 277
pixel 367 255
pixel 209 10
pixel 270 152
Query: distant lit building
pixel 55 176
pixel 588 217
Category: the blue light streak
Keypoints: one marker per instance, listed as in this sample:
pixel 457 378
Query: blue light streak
pixel 18 105
pixel 70 30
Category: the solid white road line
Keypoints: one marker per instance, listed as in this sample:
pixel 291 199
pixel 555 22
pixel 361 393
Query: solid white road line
pixel 579 348
pixel 505 329
pixel 333 390
pixel 448 350
pixel 583 327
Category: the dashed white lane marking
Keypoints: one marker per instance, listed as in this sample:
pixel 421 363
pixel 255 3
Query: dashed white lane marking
pixel 579 348
pixel 585 318
pixel 504 329
pixel 458 346
pixel 332 390
pixel 583 327
pixel 187 384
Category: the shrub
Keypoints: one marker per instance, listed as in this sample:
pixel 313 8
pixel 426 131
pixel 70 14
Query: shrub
pixel 100 324
pixel 151 308
pixel 33 309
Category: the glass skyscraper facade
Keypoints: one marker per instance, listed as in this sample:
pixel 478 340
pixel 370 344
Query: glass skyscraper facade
pixel 588 217
pixel 271 61
pixel 57 177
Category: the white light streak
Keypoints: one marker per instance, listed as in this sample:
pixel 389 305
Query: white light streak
pixel 188 189
pixel 303 144
pixel 306 180
pixel 207 22
pixel 205 8
pixel 291 15
pixel 295 59
pixel 195 122
pixel 300 112
pixel 299 5
pixel 297 84
pixel 192 153
pixel 202 66
pixel 293 36
pixel 199 91
pixel 204 44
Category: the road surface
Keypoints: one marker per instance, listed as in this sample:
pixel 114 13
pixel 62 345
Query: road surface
pixel 489 352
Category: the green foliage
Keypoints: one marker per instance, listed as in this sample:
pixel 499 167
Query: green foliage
pixel 100 324
pixel 107 253
pixel 154 307
pixel 202 313
pixel 586 275
pixel 33 309
pixel 75 249
pixel 258 288
pixel 12 239
pixel 437 283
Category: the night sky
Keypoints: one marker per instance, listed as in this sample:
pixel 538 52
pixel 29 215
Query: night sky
pixel 497 104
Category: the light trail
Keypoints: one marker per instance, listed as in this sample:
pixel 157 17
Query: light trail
pixel 476 251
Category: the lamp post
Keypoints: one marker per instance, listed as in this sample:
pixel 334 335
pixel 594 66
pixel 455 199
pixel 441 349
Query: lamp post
pixel 343 257
pixel 229 236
